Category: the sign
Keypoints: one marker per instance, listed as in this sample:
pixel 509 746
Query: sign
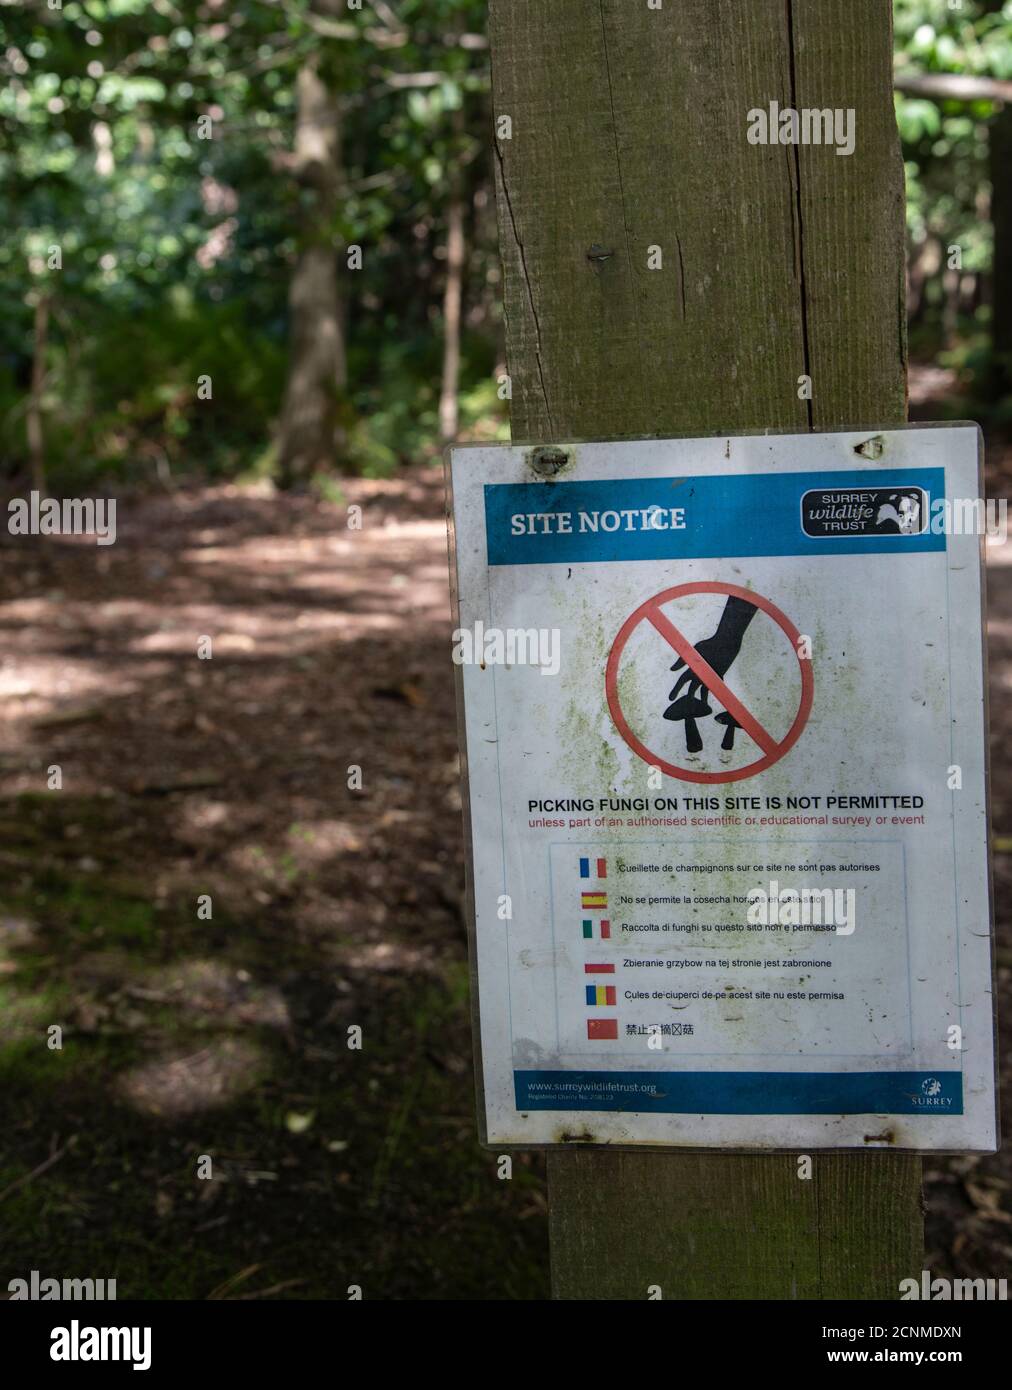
pixel 723 731
pixel 653 611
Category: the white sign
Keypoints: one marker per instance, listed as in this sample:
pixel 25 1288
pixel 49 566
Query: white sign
pixel 724 721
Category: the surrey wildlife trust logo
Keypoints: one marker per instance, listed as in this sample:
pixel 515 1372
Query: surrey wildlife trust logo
pixel 836 513
pixel 872 511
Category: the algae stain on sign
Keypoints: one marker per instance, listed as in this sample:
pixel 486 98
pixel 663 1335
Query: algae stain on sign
pixel 589 758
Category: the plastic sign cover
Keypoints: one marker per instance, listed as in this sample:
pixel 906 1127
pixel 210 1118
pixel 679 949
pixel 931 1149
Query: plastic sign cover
pixel 724 726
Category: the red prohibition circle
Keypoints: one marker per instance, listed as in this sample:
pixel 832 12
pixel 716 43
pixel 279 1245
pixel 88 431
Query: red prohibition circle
pixel 642 614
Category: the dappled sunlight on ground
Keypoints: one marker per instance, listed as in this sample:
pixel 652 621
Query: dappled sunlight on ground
pixel 335 908
pixel 175 1086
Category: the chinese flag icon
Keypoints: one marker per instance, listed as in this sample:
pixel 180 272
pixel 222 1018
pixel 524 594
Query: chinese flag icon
pixel 600 1029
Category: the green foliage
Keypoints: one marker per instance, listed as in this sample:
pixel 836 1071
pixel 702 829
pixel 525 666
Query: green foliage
pixel 144 154
pixel 145 158
pixel 946 155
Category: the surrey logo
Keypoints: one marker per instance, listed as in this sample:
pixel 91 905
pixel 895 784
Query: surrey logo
pixel 931 1097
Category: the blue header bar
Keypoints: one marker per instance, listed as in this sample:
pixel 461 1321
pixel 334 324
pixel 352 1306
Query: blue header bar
pixel 712 517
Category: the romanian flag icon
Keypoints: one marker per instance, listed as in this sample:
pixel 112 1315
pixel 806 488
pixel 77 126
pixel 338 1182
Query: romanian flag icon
pixel 593 900
pixel 602 1029
pixel 600 864
pixel 601 996
pixel 604 929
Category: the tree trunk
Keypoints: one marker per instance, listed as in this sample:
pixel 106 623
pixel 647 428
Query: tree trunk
pixel 629 138
pixel 951 280
pixel 308 440
pixel 1001 217
pixel 452 297
pixel 999 381
pixel 33 417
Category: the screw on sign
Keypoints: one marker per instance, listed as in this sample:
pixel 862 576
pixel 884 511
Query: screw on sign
pixel 700 685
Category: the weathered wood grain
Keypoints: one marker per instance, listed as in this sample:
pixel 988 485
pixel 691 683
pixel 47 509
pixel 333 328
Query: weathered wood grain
pixel 629 133
pixel 732 1226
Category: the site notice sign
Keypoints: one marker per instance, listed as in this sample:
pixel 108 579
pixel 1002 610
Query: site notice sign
pixel 723 718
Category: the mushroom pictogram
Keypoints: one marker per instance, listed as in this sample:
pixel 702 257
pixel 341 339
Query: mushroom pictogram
pixel 690 708
pixel 727 742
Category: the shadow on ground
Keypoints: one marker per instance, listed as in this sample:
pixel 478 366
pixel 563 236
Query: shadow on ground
pixel 209 911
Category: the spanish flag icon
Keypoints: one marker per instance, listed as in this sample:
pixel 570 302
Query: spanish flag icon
pixel 593 899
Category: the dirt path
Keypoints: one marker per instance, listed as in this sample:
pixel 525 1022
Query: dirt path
pixel 332 908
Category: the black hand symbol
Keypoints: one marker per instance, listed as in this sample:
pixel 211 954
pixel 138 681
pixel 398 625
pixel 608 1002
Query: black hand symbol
pixel 720 650
pixel 688 698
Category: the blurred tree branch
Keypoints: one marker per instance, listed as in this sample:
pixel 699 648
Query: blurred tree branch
pixel 946 86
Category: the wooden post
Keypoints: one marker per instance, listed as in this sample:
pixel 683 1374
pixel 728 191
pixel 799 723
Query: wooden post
pixel 628 132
